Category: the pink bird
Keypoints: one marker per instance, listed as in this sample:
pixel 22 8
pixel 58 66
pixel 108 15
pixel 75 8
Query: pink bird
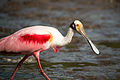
pixel 33 40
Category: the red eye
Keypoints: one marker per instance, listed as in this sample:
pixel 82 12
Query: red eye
pixel 77 24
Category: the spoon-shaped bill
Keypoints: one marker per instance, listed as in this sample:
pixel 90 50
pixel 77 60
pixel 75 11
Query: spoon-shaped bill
pixel 81 31
pixel 93 46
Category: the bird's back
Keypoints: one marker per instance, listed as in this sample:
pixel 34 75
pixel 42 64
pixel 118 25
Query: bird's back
pixel 28 39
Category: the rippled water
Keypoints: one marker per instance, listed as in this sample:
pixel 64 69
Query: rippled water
pixel 76 61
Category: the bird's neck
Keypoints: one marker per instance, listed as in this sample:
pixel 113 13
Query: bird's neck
pixel 67 39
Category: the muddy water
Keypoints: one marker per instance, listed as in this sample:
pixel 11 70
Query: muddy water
pixel 76 61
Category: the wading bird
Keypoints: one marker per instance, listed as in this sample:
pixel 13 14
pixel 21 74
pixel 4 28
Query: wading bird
pixel 33 40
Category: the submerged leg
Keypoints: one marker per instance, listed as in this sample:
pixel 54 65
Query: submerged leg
pixel 36 55
pixel 18 65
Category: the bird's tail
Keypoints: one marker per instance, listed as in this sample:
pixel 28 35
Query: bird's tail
pixel 2 43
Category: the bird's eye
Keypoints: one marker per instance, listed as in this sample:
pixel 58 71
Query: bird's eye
pixel 77 24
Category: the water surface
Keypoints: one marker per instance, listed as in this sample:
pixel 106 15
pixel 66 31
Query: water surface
pixel 76 61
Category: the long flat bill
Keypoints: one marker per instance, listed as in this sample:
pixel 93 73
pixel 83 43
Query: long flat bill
pixel 93 47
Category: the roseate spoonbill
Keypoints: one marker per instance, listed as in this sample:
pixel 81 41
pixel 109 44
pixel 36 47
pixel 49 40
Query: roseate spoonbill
pixel 33 40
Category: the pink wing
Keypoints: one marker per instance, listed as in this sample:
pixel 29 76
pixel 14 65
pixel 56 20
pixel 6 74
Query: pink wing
pixel 23 43
pixel 35 38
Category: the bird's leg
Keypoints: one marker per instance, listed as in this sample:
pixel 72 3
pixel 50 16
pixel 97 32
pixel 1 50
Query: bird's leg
pixel 18 65
pixel 36 55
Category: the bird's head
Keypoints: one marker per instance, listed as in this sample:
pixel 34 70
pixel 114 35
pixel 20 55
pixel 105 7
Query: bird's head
pixel 78 26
